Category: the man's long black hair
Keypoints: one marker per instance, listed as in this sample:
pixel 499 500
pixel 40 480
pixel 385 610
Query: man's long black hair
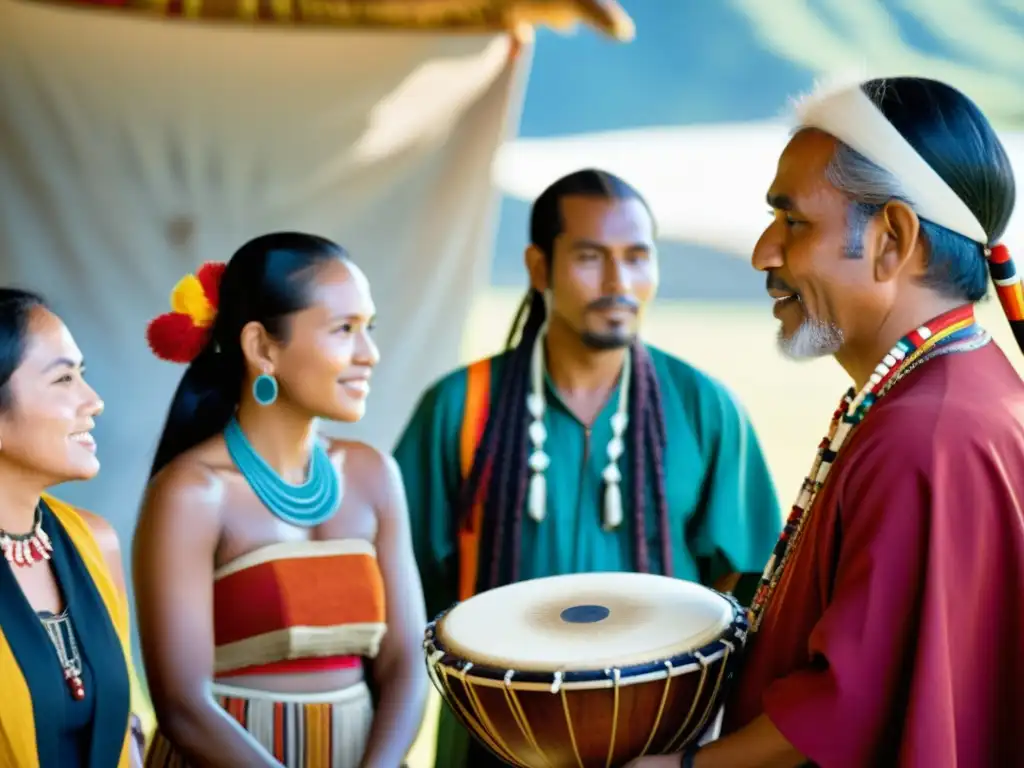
pixel 500 472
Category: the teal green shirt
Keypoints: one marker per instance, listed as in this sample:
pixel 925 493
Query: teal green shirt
pixel 722 505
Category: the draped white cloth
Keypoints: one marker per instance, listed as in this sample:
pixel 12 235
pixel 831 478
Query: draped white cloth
pixel 133 150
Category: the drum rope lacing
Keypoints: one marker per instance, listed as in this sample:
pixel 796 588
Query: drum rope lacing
pixel 954 331
pixel 443 670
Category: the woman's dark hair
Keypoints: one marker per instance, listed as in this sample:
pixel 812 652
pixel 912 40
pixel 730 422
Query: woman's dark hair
pixel 951 135
pixel 500 472
pixel 266 280
pixel 16 308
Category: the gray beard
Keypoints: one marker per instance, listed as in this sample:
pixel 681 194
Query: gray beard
pixel 812 339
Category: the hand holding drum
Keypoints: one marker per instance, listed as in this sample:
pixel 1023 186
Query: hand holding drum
pixel 586 670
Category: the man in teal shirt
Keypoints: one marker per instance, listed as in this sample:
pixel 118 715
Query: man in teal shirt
pixel 581 448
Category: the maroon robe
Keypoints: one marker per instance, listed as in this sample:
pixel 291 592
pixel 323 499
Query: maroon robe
pixel 896 636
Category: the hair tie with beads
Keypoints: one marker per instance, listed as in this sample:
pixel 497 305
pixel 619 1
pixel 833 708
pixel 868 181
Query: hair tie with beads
pixel 1008 288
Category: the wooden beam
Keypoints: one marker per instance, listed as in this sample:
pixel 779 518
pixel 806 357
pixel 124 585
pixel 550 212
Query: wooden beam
pixel 605 16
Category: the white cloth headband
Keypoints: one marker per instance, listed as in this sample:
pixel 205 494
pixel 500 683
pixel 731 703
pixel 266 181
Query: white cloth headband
pixel 850 116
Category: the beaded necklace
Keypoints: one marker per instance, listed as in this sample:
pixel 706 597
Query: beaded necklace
pixel 955 331
pixel 27 549
pixel 306 505
pixel 539 461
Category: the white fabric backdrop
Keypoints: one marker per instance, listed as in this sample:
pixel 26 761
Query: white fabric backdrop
pixel 132 150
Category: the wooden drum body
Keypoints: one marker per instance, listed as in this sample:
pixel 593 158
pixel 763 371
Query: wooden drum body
pixel 590 669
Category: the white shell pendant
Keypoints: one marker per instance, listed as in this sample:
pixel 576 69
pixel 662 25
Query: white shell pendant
pixel 612 507
pixel 538 497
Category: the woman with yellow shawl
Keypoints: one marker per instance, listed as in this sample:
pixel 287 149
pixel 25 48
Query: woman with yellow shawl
pixel 64 659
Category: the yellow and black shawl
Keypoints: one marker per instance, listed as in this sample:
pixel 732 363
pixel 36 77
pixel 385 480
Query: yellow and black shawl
pixel 101 626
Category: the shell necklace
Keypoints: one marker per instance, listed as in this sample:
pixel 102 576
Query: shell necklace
pixel 539 461
pixel 26 549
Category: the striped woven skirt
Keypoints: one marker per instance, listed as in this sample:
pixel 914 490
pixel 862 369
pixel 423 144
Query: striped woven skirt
pixel 300 730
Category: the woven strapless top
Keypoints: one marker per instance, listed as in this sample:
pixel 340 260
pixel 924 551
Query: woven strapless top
pixel 309 600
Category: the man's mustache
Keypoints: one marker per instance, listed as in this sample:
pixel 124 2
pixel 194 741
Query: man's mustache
pixel 775 283
pixel 614 302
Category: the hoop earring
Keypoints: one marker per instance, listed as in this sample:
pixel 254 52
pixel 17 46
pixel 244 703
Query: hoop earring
pixel 264 389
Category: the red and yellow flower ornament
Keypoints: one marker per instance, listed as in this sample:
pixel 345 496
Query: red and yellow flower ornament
pixel 179 335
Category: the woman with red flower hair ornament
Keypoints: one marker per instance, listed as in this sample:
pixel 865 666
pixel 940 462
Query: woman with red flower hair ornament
pixel 272 565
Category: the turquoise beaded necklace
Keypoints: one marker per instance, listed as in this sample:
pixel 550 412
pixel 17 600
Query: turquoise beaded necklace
pixel 306 505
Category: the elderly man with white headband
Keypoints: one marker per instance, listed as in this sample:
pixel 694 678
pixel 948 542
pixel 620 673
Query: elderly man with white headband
pixel 887 629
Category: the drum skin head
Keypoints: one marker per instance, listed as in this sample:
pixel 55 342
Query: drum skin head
pixel 586 670
pixel 584 621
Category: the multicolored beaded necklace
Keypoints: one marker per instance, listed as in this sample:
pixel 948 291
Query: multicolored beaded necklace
pixel 27 549
pixel 955 331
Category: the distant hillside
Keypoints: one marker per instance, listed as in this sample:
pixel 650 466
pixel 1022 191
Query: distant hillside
pixel 696 61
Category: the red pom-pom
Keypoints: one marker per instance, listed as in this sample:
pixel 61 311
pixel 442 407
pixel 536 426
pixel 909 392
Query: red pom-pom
pixel 999 254
pixel 174 338
pixel 209 277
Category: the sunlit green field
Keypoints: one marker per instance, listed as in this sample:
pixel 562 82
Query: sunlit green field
pixel 789 403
